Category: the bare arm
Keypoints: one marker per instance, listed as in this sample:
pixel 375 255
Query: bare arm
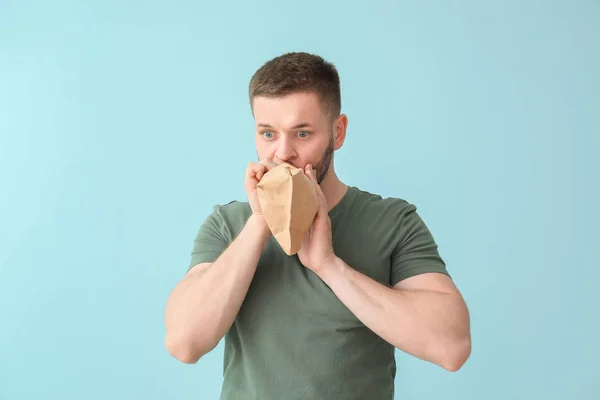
pixel 203 306
pixel 424 316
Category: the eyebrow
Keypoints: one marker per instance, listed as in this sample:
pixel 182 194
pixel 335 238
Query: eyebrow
pixel 297 126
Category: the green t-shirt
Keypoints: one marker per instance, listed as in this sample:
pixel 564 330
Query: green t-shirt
pixel 293 338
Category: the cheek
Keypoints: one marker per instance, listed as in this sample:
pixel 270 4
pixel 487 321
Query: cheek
pixel 314 152
pixel 264 149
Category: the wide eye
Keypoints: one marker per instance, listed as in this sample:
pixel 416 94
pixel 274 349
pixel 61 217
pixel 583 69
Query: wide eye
pixel 303 134
pixel 268 135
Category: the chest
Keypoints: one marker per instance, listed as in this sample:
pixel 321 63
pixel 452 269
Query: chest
pixel 365 247
pixel 285 293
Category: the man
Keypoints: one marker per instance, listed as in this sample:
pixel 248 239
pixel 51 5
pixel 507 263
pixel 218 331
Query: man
pixel 323 324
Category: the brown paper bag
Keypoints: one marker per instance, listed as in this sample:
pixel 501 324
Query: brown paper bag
pixel 289 204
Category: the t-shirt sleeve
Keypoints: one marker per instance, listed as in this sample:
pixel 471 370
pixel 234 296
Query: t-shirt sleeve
pixel 416 251
pixel 211 239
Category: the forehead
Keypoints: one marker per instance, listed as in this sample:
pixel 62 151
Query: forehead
pixel 288 110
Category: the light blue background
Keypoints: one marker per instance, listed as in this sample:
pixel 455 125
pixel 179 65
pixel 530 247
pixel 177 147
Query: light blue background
pixel 122 123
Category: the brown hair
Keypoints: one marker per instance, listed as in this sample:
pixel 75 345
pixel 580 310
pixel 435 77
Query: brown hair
pixel 299 72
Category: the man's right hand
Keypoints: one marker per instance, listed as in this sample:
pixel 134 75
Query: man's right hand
pixel 203 306
pixel 254 173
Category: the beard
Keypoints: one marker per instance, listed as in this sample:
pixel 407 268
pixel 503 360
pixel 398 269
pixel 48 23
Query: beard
pixel 322 167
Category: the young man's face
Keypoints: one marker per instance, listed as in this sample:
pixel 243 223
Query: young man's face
pixel 294 129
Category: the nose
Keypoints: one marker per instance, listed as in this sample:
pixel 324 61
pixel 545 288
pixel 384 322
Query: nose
pixel 285 150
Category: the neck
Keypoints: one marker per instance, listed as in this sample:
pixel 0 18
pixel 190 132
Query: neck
pixel 333 188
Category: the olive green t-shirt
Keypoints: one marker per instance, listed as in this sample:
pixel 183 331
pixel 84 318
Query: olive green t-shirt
pixel 293 338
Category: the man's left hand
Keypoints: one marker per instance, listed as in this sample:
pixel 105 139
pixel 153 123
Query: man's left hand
pixel 317 248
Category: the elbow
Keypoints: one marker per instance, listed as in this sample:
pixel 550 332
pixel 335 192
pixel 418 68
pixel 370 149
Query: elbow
pixel 184 349
pixel 457 355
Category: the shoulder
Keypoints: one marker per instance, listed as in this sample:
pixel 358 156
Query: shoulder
pixel 378 213
pixel 232 209
pixel 230 217
pixel 378 204
pixel 231 212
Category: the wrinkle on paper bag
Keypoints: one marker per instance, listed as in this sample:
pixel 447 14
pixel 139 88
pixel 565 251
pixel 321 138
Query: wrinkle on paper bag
pixel 289 204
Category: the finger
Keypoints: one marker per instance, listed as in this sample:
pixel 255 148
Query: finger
pixel 254 168
pixel 260 173
pixel 255 171
pixel 312 175
pixel 320 195
pixel 309 172
pixel 250 170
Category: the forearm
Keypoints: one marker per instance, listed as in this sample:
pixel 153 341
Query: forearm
pixel 203 306
pixel 433 326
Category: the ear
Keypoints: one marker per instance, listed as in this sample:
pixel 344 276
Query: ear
pixel 339 128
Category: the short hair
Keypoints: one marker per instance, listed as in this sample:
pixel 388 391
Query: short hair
pixel 299 72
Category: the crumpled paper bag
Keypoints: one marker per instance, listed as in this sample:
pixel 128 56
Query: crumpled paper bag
pixel 288 201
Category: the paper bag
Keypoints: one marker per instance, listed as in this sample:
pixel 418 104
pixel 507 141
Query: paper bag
pixel 288 201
